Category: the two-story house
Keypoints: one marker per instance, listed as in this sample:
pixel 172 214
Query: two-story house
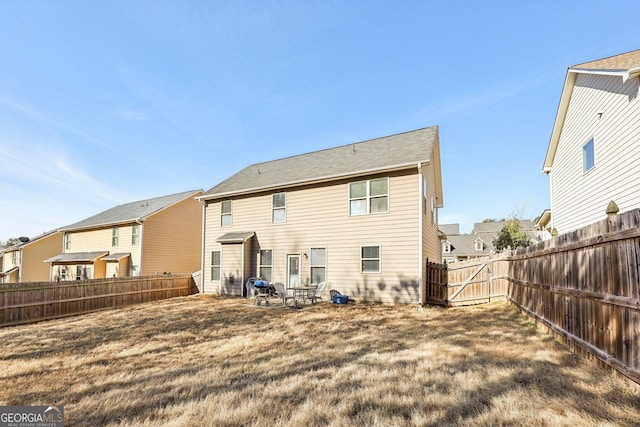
pixel 594 151
pixel 146 237
pixel 23 262
pixel 361 217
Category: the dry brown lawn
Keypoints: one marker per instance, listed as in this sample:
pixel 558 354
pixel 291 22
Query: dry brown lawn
pixel 205 360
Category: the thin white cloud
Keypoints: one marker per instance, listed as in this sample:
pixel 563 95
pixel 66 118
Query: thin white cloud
pixel 53 124
pixel 485 98
pixel 131 115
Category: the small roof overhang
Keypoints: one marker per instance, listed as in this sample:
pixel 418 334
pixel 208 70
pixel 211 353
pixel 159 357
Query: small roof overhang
pixel 8 272
pixel 236 237
pixel 117 256
pixel 77 257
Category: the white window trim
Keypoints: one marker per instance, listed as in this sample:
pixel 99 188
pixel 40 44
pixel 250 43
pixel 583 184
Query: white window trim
pixel 67 241
pixel 135 235
pixel 368 197
pixel 261 265
pixel 325 265
pixel 211 265
pixel 591 141
pixel 274 208
pixel 115 237
pixel 226 214
pixel 379 259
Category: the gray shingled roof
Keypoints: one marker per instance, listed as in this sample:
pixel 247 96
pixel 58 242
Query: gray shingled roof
pixel 464 245
pixel 380 154
pixel 130 212
pixel 449 228
pixel 236 237
pixel 77 257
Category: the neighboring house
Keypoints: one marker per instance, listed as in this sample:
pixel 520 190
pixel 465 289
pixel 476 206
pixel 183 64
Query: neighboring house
pixel 361 217
pixel 594 151
pixel 543 225
pixel 24 261
pixel 147 237
pixel 480 243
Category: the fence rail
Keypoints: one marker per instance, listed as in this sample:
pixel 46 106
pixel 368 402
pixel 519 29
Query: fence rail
pixel 32 302
pixel 583 286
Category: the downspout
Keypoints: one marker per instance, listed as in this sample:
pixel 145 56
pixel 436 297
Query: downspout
pixel 420 232
pixel 139 221
pixel 204 225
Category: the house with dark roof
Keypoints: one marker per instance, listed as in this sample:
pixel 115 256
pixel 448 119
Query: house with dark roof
pixel 22 262
pixel 593 154
pixel 362 218
pixel 142 238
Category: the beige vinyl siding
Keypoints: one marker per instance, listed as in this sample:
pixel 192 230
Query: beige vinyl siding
pixel 171 239
pixel 318 216
pixel 579 198
pixel 34 269
pixel 431 245
pixel 11 259
pixel 100 240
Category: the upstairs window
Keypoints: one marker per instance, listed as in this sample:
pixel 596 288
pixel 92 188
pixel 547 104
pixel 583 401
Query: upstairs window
pixel 588 158
pixel 226 220
pixel 279 207
pixel 266 264
pixel 115 235
pixel 135 235
pixel 369 197
pixel 425 207
pixel 479 245
pixel 446 247
pixel 67 241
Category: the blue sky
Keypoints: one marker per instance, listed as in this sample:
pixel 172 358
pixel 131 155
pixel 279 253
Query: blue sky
pixel 107 102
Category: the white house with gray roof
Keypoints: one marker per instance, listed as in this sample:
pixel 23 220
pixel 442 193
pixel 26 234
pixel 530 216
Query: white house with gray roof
pixel 146 237
pixel 362 217
pixel 594 151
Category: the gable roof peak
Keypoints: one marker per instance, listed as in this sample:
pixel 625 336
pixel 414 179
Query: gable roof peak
pixel 620 62
pixel 374 155
pixel 132 211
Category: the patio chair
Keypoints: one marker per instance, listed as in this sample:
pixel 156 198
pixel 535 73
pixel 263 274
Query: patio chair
pixel 321 287
pixel 315 294
pixel 282 293
pixel 251 289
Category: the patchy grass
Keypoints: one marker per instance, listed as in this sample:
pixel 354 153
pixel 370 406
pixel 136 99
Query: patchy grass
pixel 206 360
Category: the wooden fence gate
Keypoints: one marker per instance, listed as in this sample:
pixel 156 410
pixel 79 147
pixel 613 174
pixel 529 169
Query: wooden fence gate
pixel 469 282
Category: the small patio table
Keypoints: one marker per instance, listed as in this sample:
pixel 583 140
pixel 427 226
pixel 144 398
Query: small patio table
pixel 300 292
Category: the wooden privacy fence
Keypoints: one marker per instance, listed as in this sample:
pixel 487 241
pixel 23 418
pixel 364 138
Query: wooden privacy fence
pixel 33 302
pixel 584 286
pixel 474 281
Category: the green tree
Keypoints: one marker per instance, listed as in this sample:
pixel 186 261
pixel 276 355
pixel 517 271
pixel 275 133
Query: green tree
pixel 511 236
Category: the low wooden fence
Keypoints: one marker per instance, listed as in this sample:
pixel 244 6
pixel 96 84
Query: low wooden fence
pixel 32 302
pixel 583 286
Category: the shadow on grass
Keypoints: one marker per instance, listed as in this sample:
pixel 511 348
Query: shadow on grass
pixel 154 362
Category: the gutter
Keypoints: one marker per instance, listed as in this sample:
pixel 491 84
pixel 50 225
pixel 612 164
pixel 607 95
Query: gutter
pixel 307 181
